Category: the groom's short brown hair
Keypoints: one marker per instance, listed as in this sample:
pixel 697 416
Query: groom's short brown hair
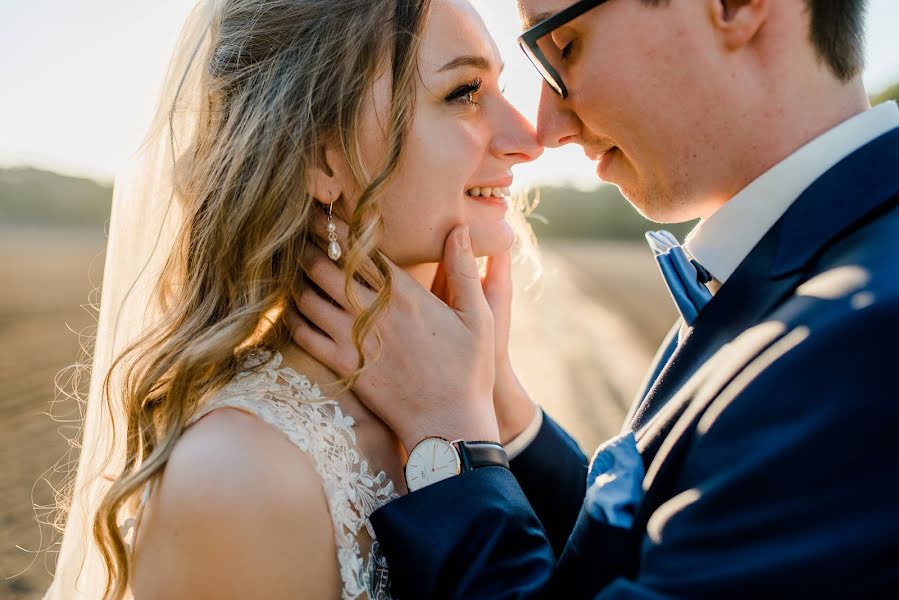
pixel 837 31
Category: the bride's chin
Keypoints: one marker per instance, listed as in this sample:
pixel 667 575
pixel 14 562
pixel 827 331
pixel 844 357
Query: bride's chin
pixel 495 238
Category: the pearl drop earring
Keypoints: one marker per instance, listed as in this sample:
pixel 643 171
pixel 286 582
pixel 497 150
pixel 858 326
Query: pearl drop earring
pixel 334 250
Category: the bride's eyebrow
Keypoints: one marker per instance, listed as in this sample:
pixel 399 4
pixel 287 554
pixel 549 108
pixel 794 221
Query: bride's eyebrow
pixel 478 62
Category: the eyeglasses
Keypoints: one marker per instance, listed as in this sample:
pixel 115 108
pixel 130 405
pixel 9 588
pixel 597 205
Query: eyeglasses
pixel 530 38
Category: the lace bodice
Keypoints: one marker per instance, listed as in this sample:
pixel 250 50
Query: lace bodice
pixel 288 401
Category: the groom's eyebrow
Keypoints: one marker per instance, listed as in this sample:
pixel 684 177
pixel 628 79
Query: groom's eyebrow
pixel 528 22
pixel 478 62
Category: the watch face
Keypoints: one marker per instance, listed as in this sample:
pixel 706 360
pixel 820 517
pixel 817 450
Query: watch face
pixel 432 460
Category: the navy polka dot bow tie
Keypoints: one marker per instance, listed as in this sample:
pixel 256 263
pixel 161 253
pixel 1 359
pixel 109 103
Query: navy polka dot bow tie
pixel 685 277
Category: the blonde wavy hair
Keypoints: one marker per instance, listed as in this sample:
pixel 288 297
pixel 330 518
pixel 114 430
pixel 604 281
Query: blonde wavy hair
pixel 281 78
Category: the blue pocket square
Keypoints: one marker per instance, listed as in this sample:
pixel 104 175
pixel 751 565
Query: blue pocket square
pixel 615 482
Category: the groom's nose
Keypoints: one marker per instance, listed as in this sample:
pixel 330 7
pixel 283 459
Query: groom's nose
pixel 557 125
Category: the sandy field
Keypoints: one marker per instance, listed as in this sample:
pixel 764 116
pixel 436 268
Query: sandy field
pixel 581 342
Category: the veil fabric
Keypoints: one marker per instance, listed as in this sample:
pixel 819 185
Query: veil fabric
pixel 145 220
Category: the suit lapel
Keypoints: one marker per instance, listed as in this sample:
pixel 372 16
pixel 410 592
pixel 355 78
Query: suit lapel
pixel 666 349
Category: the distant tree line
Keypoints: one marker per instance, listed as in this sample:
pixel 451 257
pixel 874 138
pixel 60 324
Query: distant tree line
pixel 891 93
pixel 33 197
pixel 567 212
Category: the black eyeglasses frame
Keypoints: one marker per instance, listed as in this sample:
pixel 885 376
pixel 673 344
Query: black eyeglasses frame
pixel 527 41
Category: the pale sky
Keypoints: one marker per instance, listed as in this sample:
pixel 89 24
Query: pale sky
pixel 80 79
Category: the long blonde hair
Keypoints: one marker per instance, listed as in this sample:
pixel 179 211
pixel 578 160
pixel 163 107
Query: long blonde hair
pixel 281 77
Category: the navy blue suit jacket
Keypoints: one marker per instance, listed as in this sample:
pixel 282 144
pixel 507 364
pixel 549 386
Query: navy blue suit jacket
pixel 770 438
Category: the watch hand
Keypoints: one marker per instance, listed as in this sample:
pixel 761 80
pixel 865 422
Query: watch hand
pixel 434 459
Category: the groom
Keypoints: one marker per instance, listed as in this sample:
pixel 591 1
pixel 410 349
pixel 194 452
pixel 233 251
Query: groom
pixel 759 460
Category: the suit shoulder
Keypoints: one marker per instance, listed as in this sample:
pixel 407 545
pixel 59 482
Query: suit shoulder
pixel 873 249
pixel 859 272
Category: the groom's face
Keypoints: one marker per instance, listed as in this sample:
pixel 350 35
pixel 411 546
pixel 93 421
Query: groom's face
pixel 643 97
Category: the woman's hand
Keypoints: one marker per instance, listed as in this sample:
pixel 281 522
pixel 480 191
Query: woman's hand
pixel 514 408
pixel 434 374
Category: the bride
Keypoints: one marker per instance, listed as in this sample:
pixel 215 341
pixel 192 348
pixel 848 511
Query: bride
pixel 218 459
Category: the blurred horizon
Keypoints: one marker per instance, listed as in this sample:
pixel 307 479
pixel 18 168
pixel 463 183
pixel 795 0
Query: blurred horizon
pixel 78 109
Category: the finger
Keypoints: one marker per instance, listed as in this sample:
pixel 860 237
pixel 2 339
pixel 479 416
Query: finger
pixel 498 281
pixel 438 288
pixel 462 277
pixel 367 269
pixel 328 276
pixel 318 345
pixel 331 319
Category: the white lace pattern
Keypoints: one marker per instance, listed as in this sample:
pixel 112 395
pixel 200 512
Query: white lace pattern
pixel 288 401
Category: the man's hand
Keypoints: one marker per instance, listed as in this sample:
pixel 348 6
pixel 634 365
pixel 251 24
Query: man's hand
pixel 514 408
pixel 435 372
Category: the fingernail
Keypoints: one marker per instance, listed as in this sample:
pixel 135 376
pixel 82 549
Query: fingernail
pixel 462 236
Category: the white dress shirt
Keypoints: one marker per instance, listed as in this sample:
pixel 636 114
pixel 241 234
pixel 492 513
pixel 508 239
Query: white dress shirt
pixel 722 241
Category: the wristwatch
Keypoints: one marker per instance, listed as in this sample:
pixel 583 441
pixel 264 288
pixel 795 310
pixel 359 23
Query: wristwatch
pixel 435 458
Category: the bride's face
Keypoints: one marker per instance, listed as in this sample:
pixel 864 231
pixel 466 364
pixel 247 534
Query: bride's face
pixel 463 135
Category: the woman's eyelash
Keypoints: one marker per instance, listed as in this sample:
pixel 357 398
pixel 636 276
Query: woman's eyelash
pixel 462 93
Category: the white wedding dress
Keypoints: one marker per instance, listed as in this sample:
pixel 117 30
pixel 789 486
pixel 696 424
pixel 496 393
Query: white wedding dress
pixel 147 216
pixel 291 403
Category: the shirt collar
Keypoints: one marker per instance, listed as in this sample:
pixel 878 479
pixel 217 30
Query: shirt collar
pixel 721 242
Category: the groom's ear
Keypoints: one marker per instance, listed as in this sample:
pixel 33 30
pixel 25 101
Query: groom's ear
pixel 738 21
pixel 323 180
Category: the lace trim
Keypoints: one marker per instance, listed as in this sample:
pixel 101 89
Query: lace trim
pixel 289 401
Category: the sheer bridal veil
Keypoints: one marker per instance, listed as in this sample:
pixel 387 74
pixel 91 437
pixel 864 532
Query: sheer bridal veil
pixel 145 219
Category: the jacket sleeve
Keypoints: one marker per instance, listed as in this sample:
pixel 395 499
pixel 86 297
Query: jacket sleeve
pixel 788 488
pixel 471 536
pixel 552 472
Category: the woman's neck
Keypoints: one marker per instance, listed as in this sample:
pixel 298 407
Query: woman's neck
pixel 424 273
pixel 301 361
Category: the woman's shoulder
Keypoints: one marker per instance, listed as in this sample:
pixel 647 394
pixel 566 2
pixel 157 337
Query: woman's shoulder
pixel 230 448
pixel 238 507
